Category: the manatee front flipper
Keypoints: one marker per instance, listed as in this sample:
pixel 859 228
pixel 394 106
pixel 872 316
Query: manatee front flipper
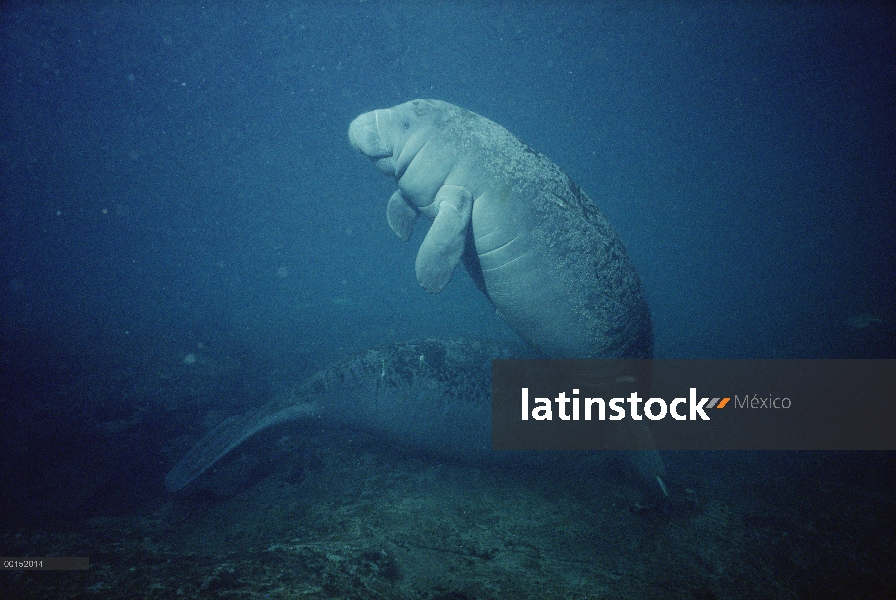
pixel 401 216
pixel 444 243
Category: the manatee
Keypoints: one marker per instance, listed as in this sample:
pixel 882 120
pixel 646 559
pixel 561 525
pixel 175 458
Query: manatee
pixel 530 238
pixel 428 394
pixel 432 393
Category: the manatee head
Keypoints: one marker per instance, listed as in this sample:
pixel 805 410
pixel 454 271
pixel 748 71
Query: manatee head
pixel 414 143
pixel 391 137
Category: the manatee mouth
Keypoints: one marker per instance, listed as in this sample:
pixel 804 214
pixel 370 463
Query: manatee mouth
pixel 364 135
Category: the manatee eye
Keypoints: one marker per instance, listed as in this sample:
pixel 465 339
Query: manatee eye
pixel 405 122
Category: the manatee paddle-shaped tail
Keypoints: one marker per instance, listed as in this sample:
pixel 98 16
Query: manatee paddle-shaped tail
pixel 229 434
pixel 429 393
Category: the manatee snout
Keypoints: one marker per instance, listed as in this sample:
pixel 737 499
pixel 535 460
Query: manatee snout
pixel 364 135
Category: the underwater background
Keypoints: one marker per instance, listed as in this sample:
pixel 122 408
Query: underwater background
pixel 185 231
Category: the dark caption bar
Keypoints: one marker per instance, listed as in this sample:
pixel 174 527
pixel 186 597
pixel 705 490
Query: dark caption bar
pixel 45 563
pixel 694 404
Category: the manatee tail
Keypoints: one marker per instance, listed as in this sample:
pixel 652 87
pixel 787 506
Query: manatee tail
pixel 227 436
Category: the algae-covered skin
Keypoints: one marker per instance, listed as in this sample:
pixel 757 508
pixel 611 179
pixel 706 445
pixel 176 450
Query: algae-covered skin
pixel 432 393
pixel 536 245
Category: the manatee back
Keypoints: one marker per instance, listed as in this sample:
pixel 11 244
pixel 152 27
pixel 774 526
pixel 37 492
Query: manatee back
pixel 431 393
pixel 434 394
pixel 570 288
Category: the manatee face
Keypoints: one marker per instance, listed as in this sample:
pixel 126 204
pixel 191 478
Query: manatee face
pixel 377 142
pixel 381 135
pixel 532 240
pixel 406 142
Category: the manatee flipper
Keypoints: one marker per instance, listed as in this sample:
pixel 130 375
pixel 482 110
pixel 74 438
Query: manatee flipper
pixel 401 216
pixel 444 243
pixel 228 435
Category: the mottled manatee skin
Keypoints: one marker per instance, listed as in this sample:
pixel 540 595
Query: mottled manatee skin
pixel 433 394
pixel 430 394
pixel 537 246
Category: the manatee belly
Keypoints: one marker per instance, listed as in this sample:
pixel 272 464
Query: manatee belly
pixel 560 277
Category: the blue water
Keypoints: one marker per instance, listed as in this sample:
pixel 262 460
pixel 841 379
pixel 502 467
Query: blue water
pixel 187 167
pixel 176 181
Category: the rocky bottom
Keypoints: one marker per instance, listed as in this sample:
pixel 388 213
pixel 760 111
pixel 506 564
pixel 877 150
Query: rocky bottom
pixel 341 515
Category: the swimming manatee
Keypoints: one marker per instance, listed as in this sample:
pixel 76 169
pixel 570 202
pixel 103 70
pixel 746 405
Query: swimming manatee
pixel 530 238
pixel 430 394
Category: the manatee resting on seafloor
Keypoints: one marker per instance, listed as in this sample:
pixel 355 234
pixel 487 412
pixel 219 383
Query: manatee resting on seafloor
pixel 533 242
pixel 430 394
